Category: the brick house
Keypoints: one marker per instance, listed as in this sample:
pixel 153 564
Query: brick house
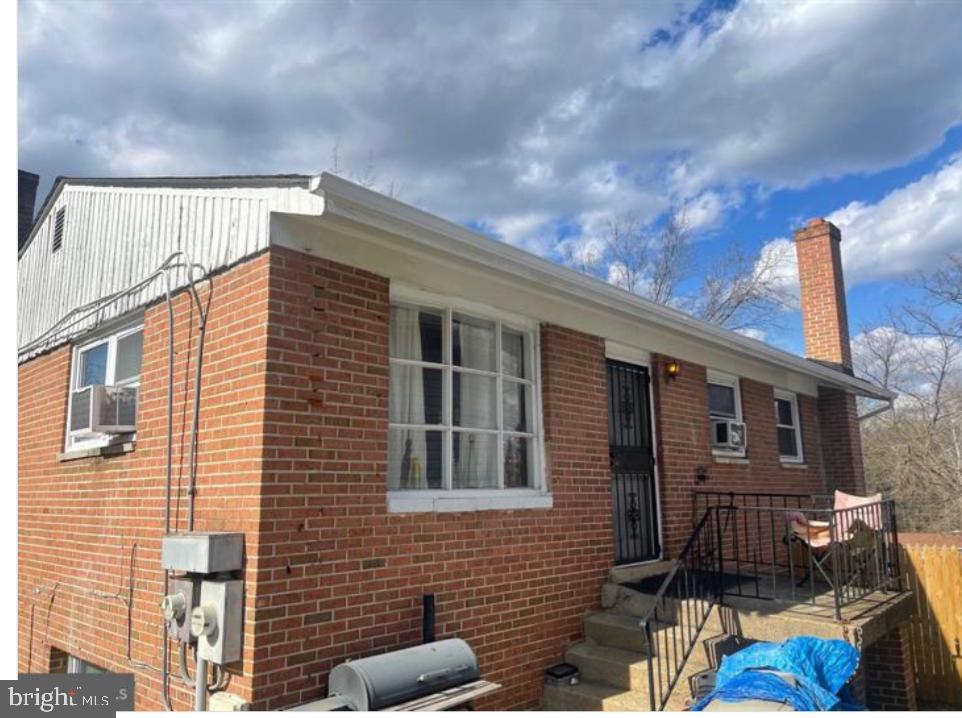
pixel 390 406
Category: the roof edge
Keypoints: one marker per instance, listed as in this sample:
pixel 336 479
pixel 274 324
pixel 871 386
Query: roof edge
pixel 566 279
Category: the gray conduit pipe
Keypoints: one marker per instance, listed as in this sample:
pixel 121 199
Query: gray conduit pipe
pixel 200 686
pixel 85 311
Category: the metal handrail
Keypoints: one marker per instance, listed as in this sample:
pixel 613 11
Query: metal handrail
pixel 686 596
pixel 856 554
pixel 734 544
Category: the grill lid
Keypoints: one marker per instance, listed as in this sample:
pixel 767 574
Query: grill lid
pixel 376 682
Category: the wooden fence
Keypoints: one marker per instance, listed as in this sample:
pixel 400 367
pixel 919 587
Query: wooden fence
pixel 934 571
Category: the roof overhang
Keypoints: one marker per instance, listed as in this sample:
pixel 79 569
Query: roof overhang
pixel 348 205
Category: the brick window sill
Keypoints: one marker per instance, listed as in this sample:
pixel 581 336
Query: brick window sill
pixel 98 451
pixel 403 502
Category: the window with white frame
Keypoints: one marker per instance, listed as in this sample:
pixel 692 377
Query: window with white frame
pixel 788 426
pixel 464 402
pixel 725 404
pixel 104 387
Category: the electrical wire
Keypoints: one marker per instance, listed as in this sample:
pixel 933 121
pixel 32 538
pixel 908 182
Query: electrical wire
pixel 177 260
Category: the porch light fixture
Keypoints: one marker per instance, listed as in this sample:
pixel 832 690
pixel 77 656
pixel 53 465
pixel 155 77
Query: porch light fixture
pixel 672 368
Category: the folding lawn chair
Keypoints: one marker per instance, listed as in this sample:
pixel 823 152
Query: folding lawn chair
pixel 850 539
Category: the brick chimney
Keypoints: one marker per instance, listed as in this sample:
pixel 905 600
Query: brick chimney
pixel 825 321
pixel 26 199
pixel 824 314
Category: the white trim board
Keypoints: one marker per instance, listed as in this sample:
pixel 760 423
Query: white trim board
pixel 404 243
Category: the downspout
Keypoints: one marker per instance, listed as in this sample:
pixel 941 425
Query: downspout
pixel 890 404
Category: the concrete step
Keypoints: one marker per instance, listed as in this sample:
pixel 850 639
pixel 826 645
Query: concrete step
pixel 629 602
pixel 628 574
pixel 615 667
pixel 587 696
pixel 605 628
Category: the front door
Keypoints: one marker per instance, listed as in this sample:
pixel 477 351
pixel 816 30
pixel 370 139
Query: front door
pixel 632 453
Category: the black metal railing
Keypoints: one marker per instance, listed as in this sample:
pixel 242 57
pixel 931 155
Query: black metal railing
pixel 680 608
pixel 783 547
pixel 796 548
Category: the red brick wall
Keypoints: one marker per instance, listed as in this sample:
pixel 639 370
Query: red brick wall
pixel 889 673
pixel 294 437
pixel 825 320
pixel 90 529
pixel 842 441
pixel 343 578
pixel 681 413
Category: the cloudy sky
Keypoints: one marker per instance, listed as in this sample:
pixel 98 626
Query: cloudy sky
pixel 533 122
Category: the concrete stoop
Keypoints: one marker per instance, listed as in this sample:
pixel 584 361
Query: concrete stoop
pixel 613 659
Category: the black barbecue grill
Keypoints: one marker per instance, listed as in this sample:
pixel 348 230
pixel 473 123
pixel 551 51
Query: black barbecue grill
pixel 430 677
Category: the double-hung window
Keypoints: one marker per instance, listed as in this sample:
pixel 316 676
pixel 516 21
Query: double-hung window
pixel 724 404
pixel 104 387
pixel 464 407
pixel 788 427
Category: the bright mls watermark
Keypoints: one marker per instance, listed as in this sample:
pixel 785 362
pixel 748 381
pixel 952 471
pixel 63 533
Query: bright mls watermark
pixel 76 694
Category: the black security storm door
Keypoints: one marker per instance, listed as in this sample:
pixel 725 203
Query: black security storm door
pixel 634 502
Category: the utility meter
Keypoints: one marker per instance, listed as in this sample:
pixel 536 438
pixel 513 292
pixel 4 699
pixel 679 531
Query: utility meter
pixel 203 620
pixel 178 605
pixel 218 621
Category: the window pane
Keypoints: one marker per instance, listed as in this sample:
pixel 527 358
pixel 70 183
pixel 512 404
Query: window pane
pixel 783 412
pixel 130 352
pixel 473 343
pixel 515 407
pixel 415 396
pixel 787 445
pixel 721 400
pixel 512 353
pixel 416 334
pixel 474 401
pixel 93 366
pixel 517 462
pixel 474 460
pixel 414 459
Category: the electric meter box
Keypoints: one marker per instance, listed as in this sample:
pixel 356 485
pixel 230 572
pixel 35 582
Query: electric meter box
pixel 178 624
pixel 224 600
pixel 204 553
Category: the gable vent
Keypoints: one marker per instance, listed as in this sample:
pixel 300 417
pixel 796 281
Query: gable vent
pixel 58 229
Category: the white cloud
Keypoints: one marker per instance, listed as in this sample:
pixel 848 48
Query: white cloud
pixel 777 260
pixel 906 231
pixel 560 110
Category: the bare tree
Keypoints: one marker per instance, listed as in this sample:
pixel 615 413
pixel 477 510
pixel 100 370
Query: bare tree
pixel 628 252
pixel 914 452
pixel 739 292
pixel 671 263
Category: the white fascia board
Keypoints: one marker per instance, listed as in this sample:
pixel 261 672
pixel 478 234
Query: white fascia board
pixel 345 202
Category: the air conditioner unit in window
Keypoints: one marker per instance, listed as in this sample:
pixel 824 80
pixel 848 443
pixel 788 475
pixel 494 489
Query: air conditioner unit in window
pixel 727 434
pixel 100 409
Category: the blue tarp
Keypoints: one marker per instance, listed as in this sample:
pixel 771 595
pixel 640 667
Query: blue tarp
pixel 821 668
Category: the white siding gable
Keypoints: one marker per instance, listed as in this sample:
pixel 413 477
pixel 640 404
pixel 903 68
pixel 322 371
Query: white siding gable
pixel 114 236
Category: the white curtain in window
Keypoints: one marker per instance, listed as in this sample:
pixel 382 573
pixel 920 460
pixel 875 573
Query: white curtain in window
pixel 476 466
pixel 413 461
